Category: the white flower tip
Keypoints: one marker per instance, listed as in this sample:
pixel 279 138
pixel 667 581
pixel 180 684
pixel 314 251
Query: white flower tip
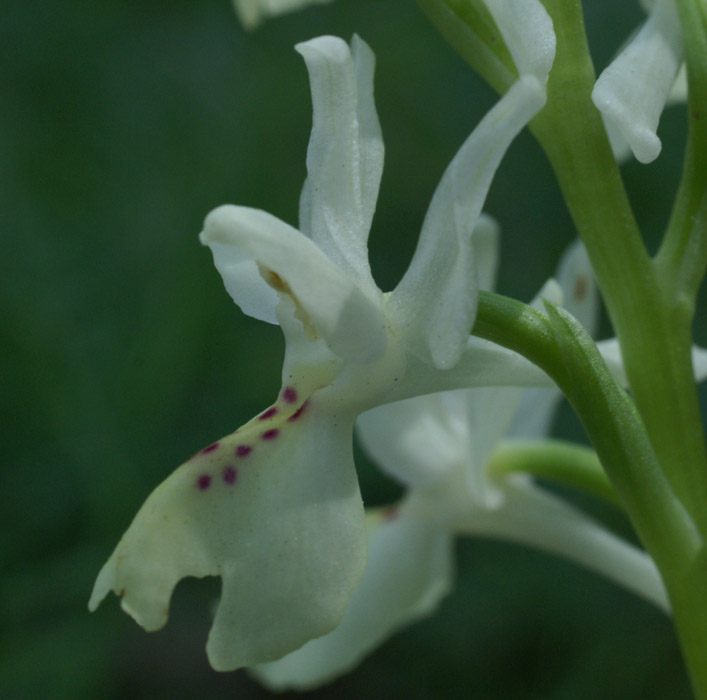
pixel 220 223
pixel 643 142
pixel 646 147
pixel 332 48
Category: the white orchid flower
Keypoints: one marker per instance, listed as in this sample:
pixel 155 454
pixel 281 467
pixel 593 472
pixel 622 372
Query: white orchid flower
pixel 440 447
pixel 633 90
pixel 274 509
pixel 253 12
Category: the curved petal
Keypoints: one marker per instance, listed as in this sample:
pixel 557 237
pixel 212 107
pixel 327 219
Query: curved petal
pixel 345 155
pixel 435 302
pixel 253 12
pixel 632 91
pixel 329 303
pixel 244 283
pixel 409 570
pixel 619 145
pixel 275 510
pixel 532 517
pixel 527 30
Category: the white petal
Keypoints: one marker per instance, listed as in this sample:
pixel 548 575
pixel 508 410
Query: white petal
pixel 275 510
pixel 409 570
pixel 619 145
pixel 579 291
pixel 435 302
pixel 329 303
pixel 244 283
pixel 633 89
pixel 415 441
pixel 527 30
pixel 535 518
pixel 253 12
pixel 482 363
pixel 345 156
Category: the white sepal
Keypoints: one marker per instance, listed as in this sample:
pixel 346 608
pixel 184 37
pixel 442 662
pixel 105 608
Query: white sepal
pixel 632 91
pixel 527 30
pixel 533 517
pixel 435 302
pixel 345 155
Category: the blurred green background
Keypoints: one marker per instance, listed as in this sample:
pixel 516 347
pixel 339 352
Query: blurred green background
pixel 122 123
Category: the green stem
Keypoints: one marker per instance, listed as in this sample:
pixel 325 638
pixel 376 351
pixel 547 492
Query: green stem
pixel 557 461
pixel 610 418
pixel 470 29
pixel 655 338
pixel 560 347
pixel 682 258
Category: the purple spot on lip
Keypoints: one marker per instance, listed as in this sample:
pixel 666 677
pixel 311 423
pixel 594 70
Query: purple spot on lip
pixel 210 448
pixel 203 482
pixel 268 414
pixel 243 450
pixel 298 412
pixel 229 475
pixel 289 395
pixel 270 434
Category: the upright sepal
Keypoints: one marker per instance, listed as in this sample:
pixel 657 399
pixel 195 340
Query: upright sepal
pixel 435 302
pixel 345 155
